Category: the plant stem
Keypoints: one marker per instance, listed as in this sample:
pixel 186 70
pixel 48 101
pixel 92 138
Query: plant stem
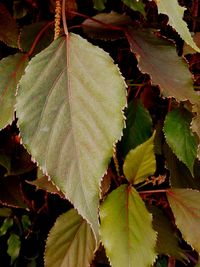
pixel 64 18
pixel 153 191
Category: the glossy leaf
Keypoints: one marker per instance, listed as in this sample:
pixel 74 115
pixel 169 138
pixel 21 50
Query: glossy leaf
pixel 140 162
pixel 175 13
pixel 135 5
pixel 8 27
pixel 174 78
pixel 185 205
pixel 111 27
pixel 11 70
pixel 126 229
pixel 70 242
pixel 77 120
pixel 180 137
pixel 14 245
pixel 167 239
pixel 136 132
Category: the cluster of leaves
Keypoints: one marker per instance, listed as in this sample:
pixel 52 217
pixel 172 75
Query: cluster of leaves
pixel 124 151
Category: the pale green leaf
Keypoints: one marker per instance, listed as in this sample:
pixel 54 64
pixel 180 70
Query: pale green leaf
pixel 7 223
pixel 126 229
pixel 77 120
pixel 135 5
pixel 8 27
pixel 180 137
pixel 185 205
pixel 174 78
pixel 70 242
pixel 140 162
pixel 11 70
pixel 188 49
pixel 14 245
pixel 136 132
pixel 175 13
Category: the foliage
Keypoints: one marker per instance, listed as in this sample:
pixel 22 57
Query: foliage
pixel 99 133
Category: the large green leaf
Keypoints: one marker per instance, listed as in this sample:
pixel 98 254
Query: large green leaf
pixel 140 162
pixel 70 242
pixel 179 136
pixel 8 27
pixel 11 70
pixel 174 77
pixel 77 119
pixel 126 229
pixel 136 5
pixel 167 240
pixel 175 13
pixel 136 132
pixel 185 204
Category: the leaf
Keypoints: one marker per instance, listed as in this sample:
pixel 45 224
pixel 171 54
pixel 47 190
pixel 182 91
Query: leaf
pixel 185 205
pixel 14 245
pixel 140 162
pixel 99 4
pixel 179 136
pixel 70 242
pixel 174 78
pixel 167 240
pixel 77 120
pixel 175 13
pixel 111 27
pixel 45 184
pixel 7 223
pixel 126 229
pixel 195 124
pixel 8 28
pixel 11 70
pixel 10 192
pixel 180 176
pixel 5 212
pixel 29 34
pixel 135 5
pixel 136 132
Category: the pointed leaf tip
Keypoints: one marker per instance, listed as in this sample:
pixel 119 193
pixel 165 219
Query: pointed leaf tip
pixel 140 162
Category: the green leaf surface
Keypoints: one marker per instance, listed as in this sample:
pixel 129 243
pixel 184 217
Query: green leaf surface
pixel 167 240
pixel 140 162
pixel 70 242
pixel 14 245
pixel 99 4
pixel 136 132
pixel 180 137
pixel 77 120
pixel 180 176
pixel 185 205
pixel 7 223
pixel 11 70
pixel 108 28
pixel 126 229
pixel 29 34
pixel 152 51
pixel 135 5
pixel 8 28
pixel 195 124
pixel 175 13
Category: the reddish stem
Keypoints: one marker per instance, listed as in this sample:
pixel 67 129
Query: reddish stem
pixel 153 191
